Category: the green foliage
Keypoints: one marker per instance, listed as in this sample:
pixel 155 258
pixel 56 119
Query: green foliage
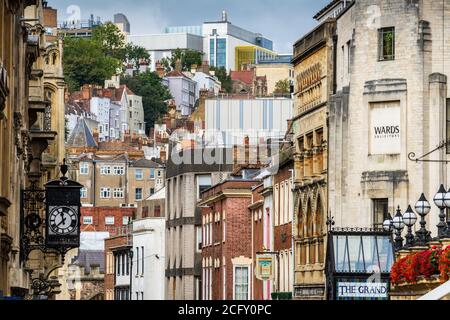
pixel 224 78
pixel 283 87
pixel 96 59
pixel 154 94
pixel 133 54
pixel 85 63
pixel 281 295
pixel 187 57
pixel 110 39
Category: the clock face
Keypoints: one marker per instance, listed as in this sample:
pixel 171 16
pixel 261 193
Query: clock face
pixel 63 220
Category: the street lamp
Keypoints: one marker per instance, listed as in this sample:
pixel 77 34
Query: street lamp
pixel 439 200
pixel 388 224
pixel 423 208
pixel 398 225
pixel 410 219
pixel 446 232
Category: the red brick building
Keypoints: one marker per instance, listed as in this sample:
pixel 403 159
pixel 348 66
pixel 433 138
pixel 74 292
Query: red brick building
pixel 115 247
pixel 227 241
pixel 272 211
pixel 101 219
pixel 257 214
pixel 282 231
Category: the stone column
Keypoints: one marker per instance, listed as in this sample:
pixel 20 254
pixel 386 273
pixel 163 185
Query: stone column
pixel 436 134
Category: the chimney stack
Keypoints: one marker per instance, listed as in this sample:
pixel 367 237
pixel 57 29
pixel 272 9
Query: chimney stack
pixel 178 65
pixel 160 69
pixel 86 91
pixel 162 155
pixel 95 135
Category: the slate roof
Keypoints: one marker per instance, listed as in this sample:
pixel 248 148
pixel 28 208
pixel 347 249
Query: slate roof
pixel 144 163
pixel 82 136
pixel 89 259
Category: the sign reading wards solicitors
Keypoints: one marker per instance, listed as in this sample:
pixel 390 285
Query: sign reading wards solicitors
pixel 364 290
pixel 385 129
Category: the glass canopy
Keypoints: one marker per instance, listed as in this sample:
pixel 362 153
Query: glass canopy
pixel 362 253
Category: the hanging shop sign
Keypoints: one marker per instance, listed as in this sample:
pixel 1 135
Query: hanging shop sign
pixel 265 267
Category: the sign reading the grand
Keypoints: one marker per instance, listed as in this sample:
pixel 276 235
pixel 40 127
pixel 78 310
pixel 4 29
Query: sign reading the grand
pixel 385 129
pixel 362 290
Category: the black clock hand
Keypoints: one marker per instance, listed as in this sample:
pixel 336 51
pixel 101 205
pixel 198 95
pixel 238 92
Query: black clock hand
pixel 62 221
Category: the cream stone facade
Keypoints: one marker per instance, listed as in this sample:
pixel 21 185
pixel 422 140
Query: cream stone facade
pixel 275 72
pixel 31 114
pixel 389 103
pixel 313 63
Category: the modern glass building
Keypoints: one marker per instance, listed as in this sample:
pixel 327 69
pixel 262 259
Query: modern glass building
pixel 252 55
pixel 218 52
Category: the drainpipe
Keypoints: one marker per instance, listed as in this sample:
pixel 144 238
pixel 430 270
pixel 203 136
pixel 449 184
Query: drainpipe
pixel 126 179
pixel 94 162
pixel 292 277
pixel 335 39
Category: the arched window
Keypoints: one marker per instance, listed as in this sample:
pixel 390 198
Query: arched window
pixel 309 221
pixel 319 218
pixel 301 223
pixel 319 231
pixel 54 58
pixel 310 233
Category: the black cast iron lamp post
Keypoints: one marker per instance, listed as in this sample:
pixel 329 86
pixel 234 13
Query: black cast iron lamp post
pixel 410 219
pixel 398 225
pixel 439 200
pixel 423 208
pixel 388 224
pixel 446 233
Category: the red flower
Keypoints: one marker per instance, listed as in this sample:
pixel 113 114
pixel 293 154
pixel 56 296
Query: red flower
pixel 426 264
pixel 444 264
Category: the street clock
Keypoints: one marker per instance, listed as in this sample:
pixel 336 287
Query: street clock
pixel 63 212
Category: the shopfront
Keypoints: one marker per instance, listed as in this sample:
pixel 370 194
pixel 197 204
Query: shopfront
pixel 359 265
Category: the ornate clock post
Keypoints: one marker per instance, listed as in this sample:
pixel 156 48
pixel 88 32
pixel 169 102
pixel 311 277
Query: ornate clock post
pixel 50 223
pixel 63 205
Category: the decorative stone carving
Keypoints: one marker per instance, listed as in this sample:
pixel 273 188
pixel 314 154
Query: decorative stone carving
pixel 6 245
pixel 4 90
pixel 18 123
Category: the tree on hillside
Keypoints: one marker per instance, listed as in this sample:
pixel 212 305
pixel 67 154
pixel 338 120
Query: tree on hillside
pixel 96 59
pixel 154 94
pixel 110 39
pixel 85 63
pixel 134 54
pixel 283 87
pixel 223 76
pixel 187 57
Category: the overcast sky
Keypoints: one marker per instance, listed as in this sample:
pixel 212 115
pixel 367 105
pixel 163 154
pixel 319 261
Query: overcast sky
pixel 283 21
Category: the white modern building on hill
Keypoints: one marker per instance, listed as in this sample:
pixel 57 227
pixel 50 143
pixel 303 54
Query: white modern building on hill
pixel 220 41
pixel 161 46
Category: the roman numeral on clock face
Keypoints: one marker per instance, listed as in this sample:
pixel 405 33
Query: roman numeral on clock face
pixel 63 220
